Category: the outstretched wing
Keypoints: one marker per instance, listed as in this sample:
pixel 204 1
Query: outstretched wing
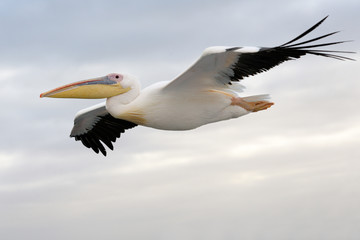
pixel 94 127
pixel 223 65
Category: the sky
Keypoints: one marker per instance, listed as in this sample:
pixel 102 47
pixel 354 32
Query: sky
pixel 291 172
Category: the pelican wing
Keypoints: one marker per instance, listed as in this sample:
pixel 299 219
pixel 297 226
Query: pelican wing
pixel 95 126
pixel 224 65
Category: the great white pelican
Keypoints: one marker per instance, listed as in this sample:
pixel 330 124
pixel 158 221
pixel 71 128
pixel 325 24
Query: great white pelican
pixel 207 92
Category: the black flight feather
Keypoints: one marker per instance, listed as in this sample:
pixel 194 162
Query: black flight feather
pixel 252 63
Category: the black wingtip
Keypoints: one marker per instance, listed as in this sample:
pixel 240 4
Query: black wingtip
pixel 97 129
pixel 303 49
pixel 104 153
pixel 306 32
pixel 313 40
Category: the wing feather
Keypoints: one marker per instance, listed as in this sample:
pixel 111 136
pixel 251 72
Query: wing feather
pixel 223 65
pixel 95 127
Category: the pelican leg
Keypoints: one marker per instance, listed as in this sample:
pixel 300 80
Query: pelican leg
pixel 251 106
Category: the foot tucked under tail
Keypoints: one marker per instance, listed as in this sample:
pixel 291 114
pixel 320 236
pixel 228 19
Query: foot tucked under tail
pixel 253 103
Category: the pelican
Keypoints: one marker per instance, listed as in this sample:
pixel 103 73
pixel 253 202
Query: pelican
pixel 207 92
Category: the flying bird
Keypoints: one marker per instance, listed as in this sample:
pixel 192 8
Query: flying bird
pixel 206 92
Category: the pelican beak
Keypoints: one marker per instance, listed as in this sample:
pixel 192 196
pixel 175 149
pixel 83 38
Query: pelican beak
pixel 102 87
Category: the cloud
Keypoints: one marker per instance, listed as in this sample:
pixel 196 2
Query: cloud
pixel 292 169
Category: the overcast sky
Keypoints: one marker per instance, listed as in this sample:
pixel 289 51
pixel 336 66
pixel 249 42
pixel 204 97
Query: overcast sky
pixel 291 172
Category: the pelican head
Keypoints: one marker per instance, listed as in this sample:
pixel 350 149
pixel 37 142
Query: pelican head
pixel 108 86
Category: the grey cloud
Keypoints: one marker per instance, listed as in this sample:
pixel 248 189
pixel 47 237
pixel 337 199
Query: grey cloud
pixel 287 172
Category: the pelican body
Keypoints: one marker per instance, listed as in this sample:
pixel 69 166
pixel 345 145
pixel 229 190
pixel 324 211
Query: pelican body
pixel 209 91
pixel 160 108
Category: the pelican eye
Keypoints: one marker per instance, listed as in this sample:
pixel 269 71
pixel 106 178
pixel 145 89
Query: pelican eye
pixel 117 76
